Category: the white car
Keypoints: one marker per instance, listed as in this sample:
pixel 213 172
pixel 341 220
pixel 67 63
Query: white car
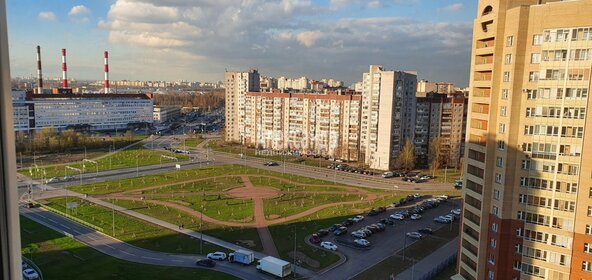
pixel 217 256
pixel 415 217
pixel 329 245
pixel 416 196
pixel 450 217
pixel 443 197
pixel 399 217
pixel 53 180
pixel 414 235
pixel 357 218
pixel 455 211
pixel 30 274
pixel 358 234
pixel 362 242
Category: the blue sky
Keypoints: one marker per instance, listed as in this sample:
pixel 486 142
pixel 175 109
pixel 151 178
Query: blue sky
pixel 199 39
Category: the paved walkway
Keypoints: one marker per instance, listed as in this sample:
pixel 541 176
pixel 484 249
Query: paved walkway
pixel 260 222
pixel 424 268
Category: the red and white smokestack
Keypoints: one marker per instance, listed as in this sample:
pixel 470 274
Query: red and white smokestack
pixel 64 70
pixel 39 75
pixel 107 72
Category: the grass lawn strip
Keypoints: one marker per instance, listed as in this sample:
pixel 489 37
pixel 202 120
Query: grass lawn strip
pixel 61 257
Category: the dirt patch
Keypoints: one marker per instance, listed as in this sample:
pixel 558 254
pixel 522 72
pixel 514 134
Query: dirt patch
pixel 301 257
pixel 273 217
pixel 246 243
pixel 253 192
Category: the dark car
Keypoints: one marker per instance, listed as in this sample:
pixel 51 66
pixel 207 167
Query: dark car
pixel 381 209
pixel 206 263
pixel 348 222
pixel 271 163
pixel 340 231
pixel 366 231
pixel 314 238
pixel 426 230
pixel 373 228
pixel 372 213
pixel 322 232
pixel 387 222
pixel 334 227
pixel 381 227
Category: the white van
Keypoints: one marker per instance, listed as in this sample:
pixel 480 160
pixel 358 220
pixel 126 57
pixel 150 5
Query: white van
pixel 388 174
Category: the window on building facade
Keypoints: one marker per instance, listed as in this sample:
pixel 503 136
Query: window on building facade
pixel 509 41
pixel 506 76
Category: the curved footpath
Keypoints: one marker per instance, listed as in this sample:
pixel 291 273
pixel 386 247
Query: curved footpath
pixel 121 250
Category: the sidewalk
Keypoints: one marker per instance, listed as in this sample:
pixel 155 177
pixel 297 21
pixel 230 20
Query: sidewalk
pixel 425 267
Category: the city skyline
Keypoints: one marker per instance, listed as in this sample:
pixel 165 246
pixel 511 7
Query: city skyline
pixel 336 38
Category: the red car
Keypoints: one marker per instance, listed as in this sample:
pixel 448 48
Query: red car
pixel 315 239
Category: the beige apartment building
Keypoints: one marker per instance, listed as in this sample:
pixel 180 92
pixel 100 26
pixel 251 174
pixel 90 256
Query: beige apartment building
pixel 236 85
pixel 528 190
pixel 388 115
pixel 316 123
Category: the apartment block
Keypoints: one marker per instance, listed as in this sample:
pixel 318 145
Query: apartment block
pixel 236 85
pixel 320 123
pixel 388 115
pixel 441 116
pixel 527 191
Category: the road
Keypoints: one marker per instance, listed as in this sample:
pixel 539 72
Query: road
pixel 124 251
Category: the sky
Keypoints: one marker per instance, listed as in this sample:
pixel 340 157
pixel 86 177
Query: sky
pixel 197 40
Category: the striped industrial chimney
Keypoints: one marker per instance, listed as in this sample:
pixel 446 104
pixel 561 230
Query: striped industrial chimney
pixel 39 75
pixel 64 70
pixel 107 90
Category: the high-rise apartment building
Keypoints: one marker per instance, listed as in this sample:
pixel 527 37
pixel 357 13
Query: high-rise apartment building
pixel 237 84
pixel 319 123
pixel 388 115
pixel 528 190
pixel 440 116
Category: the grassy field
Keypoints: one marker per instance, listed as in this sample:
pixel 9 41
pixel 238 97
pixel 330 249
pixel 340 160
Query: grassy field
pixel 449 175
pixel 206 185
pixel 290 204
pixel 261 181
pixel 124 159
pixel 219 207
pixel 185 175
pixel 247 237
pixel 61 257
pixel 192 142
pixel 129 229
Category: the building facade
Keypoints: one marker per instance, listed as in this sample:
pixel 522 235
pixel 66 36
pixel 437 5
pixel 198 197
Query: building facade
pixel 165 114
pixel 441 116
pixel 94 111
pixel 325 123
pixel 388 115
pixel 236 85
pixel 527 191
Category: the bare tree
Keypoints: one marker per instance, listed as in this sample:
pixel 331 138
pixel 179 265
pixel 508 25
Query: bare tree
pixel 406 157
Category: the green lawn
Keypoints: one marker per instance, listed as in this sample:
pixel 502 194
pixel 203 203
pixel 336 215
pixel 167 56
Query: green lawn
pixel 219 207
pixel 115 186
pixel 260 181
pixel 129 229
pixel 290 204
pixel 247 237
pixel 449 175
pixel 61 257
pixel 192 142
pixel 207 185
pixel 136 155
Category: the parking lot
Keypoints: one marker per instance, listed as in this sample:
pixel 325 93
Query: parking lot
pixel 388 242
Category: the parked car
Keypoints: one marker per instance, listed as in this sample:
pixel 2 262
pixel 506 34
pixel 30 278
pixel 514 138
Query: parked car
pixel 399 217
pixel 329 245
pixel 380 209
pixel 53 180
pixel 388 174
pixel 415 235
pixel 362 242
pixel 456 211
pixel 348 222
pixel 415 217
pixel 381 227
pixel 373 228
pixel 217 256
pixel 442 220
pixel 358 218
pixel 358 234
pixel 340 231
pixel 450 217
pixel 334 227
pixel 314 238
pixel 458 184
pixel 30 274
pixel 372 213
pixel 425 230
pixel 206 263
pixel 271 163
pixel 387 222
pixel 416 196
pixel 366 231
pixel 322 232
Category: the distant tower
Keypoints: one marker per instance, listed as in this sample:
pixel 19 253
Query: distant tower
pixel 64 70
pixel 107 89
pixel 39 75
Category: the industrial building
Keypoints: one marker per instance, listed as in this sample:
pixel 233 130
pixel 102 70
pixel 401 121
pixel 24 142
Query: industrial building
pixel 527 191
pixel 60 108
pixel 165 114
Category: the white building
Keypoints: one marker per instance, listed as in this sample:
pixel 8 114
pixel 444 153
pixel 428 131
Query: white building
pixel 237 84
pixel 164 114
pixel 388 115
pixel 97 111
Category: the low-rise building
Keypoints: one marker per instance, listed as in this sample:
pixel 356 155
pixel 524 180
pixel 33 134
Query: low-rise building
pixel 165 114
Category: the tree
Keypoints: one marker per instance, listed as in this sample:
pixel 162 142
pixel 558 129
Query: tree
pixel 406 157
pixel 435 154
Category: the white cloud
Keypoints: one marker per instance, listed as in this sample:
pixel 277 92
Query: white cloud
pixel 455 7
pixel 47 16
pixel 79 10
pixel 308 38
